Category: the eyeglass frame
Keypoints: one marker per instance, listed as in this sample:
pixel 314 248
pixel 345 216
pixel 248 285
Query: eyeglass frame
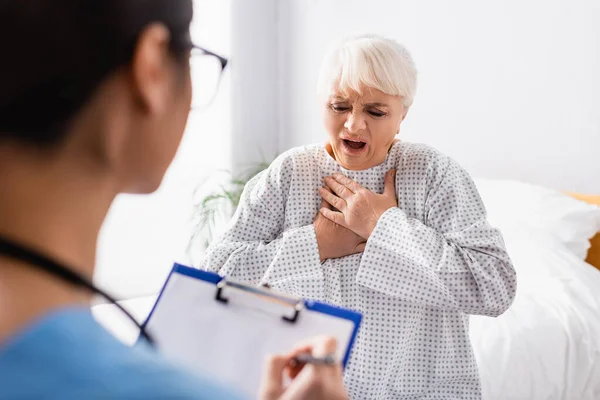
pixel 222 60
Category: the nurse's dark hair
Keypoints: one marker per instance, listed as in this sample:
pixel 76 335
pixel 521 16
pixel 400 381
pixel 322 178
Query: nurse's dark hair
pixel 55 53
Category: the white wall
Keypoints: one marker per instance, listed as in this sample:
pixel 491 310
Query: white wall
pixel 144 235
pixel 508 88
pixel 255 81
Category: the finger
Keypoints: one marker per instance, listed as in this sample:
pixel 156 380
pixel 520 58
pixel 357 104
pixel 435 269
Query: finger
pixel 337 188
pixel 324 346
pixel 360 248
pixel 317 346
pixel 316 381
pixel 329 205
pixel 303 347
pixel 332 199
pixel 324 204
pixel 334 216
pixel 349 183
pixel 390 183
pixel 272 380
pixel 293 370
pixel 274 367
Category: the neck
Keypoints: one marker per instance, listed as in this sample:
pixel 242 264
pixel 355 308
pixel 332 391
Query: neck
pixel 55 206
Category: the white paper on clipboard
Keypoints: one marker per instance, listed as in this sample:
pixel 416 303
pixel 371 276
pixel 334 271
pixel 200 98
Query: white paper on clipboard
pixel 230 340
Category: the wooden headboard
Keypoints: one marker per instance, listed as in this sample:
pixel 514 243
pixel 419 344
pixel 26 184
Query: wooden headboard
pixel 593 256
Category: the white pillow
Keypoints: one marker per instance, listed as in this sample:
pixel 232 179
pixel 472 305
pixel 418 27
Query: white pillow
pixel 514 205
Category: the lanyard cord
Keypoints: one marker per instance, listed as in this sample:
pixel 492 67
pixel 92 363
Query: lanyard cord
pixel 18 252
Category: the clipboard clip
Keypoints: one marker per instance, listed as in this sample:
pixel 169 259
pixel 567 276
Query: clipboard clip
pixel 296 303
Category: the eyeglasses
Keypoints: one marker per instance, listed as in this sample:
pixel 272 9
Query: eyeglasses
pixel 206 71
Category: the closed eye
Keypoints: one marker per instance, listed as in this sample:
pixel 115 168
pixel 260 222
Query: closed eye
pixel 339 107
pixel 376 113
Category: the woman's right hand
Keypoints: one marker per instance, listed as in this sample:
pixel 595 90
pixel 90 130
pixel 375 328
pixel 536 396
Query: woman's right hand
pixel 309 382
pixel 334 240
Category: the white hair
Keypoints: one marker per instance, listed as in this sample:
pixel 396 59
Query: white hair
pixel 372 61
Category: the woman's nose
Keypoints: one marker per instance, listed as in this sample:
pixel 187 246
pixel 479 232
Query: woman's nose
pixel 354 123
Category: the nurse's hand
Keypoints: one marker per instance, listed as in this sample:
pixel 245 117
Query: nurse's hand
pixel 309 382
pixel 358 208
pixel 334 240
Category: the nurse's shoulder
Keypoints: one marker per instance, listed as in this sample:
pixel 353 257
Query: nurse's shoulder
pixel 67 354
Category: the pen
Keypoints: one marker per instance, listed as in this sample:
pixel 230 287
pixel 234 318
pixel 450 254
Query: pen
pixel 309 359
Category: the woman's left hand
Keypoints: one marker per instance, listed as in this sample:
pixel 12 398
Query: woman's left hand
pixel 359 208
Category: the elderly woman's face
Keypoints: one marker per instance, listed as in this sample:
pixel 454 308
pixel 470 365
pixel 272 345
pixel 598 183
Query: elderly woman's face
pixel 362 127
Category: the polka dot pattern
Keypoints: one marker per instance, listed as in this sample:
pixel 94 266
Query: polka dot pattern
pixel 428 264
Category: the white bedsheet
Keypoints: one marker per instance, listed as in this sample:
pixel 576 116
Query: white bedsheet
pixel 547 345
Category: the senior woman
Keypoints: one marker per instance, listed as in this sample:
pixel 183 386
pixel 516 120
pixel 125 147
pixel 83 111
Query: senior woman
pixel 400 233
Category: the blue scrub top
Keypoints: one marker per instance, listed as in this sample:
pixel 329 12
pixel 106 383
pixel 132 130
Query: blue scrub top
pixel 68 355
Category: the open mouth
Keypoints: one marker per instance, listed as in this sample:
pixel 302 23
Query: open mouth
pixel 354 144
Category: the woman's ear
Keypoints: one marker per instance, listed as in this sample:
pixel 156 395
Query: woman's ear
pixel 405 112
pixel 150 69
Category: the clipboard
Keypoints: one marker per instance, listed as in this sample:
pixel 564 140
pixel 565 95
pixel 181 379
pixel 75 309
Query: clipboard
pixel 225 329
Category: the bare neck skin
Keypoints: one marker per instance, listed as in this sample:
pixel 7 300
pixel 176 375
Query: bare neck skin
pixel 54 205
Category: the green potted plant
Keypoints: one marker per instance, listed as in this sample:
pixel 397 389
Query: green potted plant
pixel 216 200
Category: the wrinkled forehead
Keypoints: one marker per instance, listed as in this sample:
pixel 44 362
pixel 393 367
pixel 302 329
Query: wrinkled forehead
pixel 363 94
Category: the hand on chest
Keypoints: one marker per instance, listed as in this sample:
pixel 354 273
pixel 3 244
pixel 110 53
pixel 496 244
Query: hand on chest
pixel 304 201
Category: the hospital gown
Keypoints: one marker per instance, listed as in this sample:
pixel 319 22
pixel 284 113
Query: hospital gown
pixel 429 263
